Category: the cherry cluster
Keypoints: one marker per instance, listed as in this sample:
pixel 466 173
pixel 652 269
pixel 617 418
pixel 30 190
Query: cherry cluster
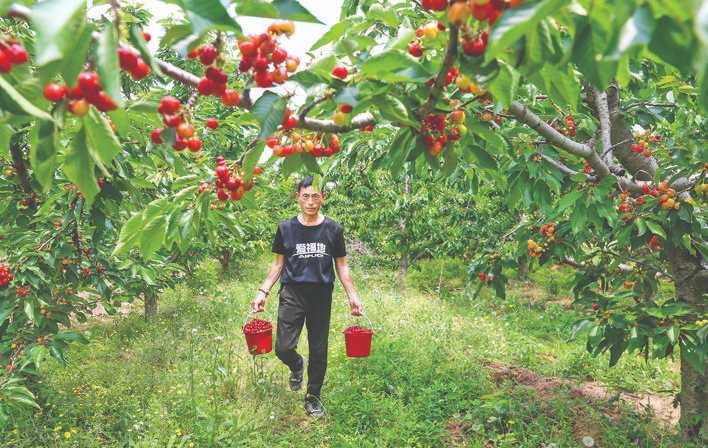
pixel 547 231
pixel 466 85
pixel 11 53
pixel 292 143
pixel 174 116
pixel 268 62
pixel 5 275
pixel 641 147
pixel 131 62
pixel 439 129
pixel 449 78
pixel 23 291
pixel 429 31
pixel 569 129
pixel 255 326
pixel 482 10
pixel 214 81
pixel 229 183
pixel 483 277
pixel 535 249
pixel 87 91
pixel 356 329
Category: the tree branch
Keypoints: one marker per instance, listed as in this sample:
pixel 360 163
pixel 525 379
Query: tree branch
pixel 18 162
pixel 449 58
pixel 603 115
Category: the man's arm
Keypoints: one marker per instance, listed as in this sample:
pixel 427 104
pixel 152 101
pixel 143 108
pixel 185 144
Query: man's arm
pixel 258 304
pixel 346 279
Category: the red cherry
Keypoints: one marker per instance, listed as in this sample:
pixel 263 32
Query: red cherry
pixel 260 64
pixel 435 5
pixel 216 75
pixel 194 53
pixel 147 36
pixel 340 72
pixel 346 108
pixel 291 122
pixel 279 56
pixel 89 82
pixel 141 71
pixel 172 121
pixel 263 79
pixel 128 58
pixel 212 123
pixel 156 136
pixel 231 98
pixel 207 55
pixel 245 65
pixel 206 86
pixel 194 144
pixel 222 194
pixel 474 47
pixel 55 92
pixel 104 103
pixel 257 170
pixel 179 143
pixel 169 105
pixel 482 276
pixel 248 49
pixel 76 93
pixel 18 54
pixel 415 49
pixel 272 142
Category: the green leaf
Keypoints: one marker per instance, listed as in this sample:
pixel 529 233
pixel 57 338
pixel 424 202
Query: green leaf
pixel 102 142
pixel 311 163
pixel 569 199
pixel 43 148
pixel 394 66
pixel 323 67
pixel 138 41
pixel 673 42
pixel 587 53
pixel 484 160
pixel 270 111
pixel 560 84
pixel 79 167
pixel 291 164
pixel 399 150
pixel 73 62
pixel 636 31
pixel 12 101
pixel 153 235
pixel 205 15
pixel 6 133
pixel 387 16
pixel 516 22
pixel 392 109
pixel 107 63
pixel 53 22
pixel 251 159
pixel 656 229
pixel 335 32
pixel 278 9
pixel 503 86
pixel 129 235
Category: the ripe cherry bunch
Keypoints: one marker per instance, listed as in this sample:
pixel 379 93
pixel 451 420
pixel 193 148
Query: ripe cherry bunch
pixel 427 32
pixel 255 326
pixel 214 82
pixel 86 92
pixel 23 291
pixel 547 231
pixel 229 182
pixel 131 62
pixel 569 129
pixel 439 129
pixel 483 277
pixel 11 53
pixel 642 147
pixel 267 61
pixel 356 329
pixel 292 142
pixel 535 249
pixel 5 275
pixel 451 76
pixel 482 10
pixel 176 115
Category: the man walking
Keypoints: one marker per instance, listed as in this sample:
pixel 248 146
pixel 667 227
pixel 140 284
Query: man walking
pixel 306 247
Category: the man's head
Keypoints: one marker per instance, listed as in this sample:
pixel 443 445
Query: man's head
pixel 308 198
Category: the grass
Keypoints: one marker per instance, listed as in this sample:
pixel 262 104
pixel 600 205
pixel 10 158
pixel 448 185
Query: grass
pixel 186 380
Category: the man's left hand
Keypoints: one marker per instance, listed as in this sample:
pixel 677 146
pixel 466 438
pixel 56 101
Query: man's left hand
pixel 357 307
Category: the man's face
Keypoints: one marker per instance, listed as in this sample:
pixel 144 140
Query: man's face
pixel 310 201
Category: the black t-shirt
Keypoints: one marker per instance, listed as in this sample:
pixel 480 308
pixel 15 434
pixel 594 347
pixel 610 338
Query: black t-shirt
pixel 309 250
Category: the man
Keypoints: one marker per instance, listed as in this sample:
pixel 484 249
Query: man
pixel 305 247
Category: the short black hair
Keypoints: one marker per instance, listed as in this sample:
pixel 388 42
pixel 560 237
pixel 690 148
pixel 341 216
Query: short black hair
pixel 306 182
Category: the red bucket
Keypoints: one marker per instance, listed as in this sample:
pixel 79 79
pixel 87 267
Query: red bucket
pixel 358 341
pixel 259 336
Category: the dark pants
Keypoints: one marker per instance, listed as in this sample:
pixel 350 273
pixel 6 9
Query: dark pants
pixel 310 304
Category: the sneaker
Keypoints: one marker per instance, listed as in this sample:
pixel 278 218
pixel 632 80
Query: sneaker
pixel 296 378
pixel 313 406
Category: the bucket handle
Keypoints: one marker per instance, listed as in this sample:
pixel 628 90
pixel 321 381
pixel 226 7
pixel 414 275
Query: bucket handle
pixel 371 325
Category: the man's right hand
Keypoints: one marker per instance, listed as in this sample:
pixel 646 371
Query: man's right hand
pixel 258 303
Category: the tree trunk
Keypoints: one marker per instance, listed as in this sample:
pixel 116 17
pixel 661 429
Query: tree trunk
pixel 403 270
pixel 150 305
pixel 524 269
pixel 225 260
pixel 691 280
pixel 404 240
